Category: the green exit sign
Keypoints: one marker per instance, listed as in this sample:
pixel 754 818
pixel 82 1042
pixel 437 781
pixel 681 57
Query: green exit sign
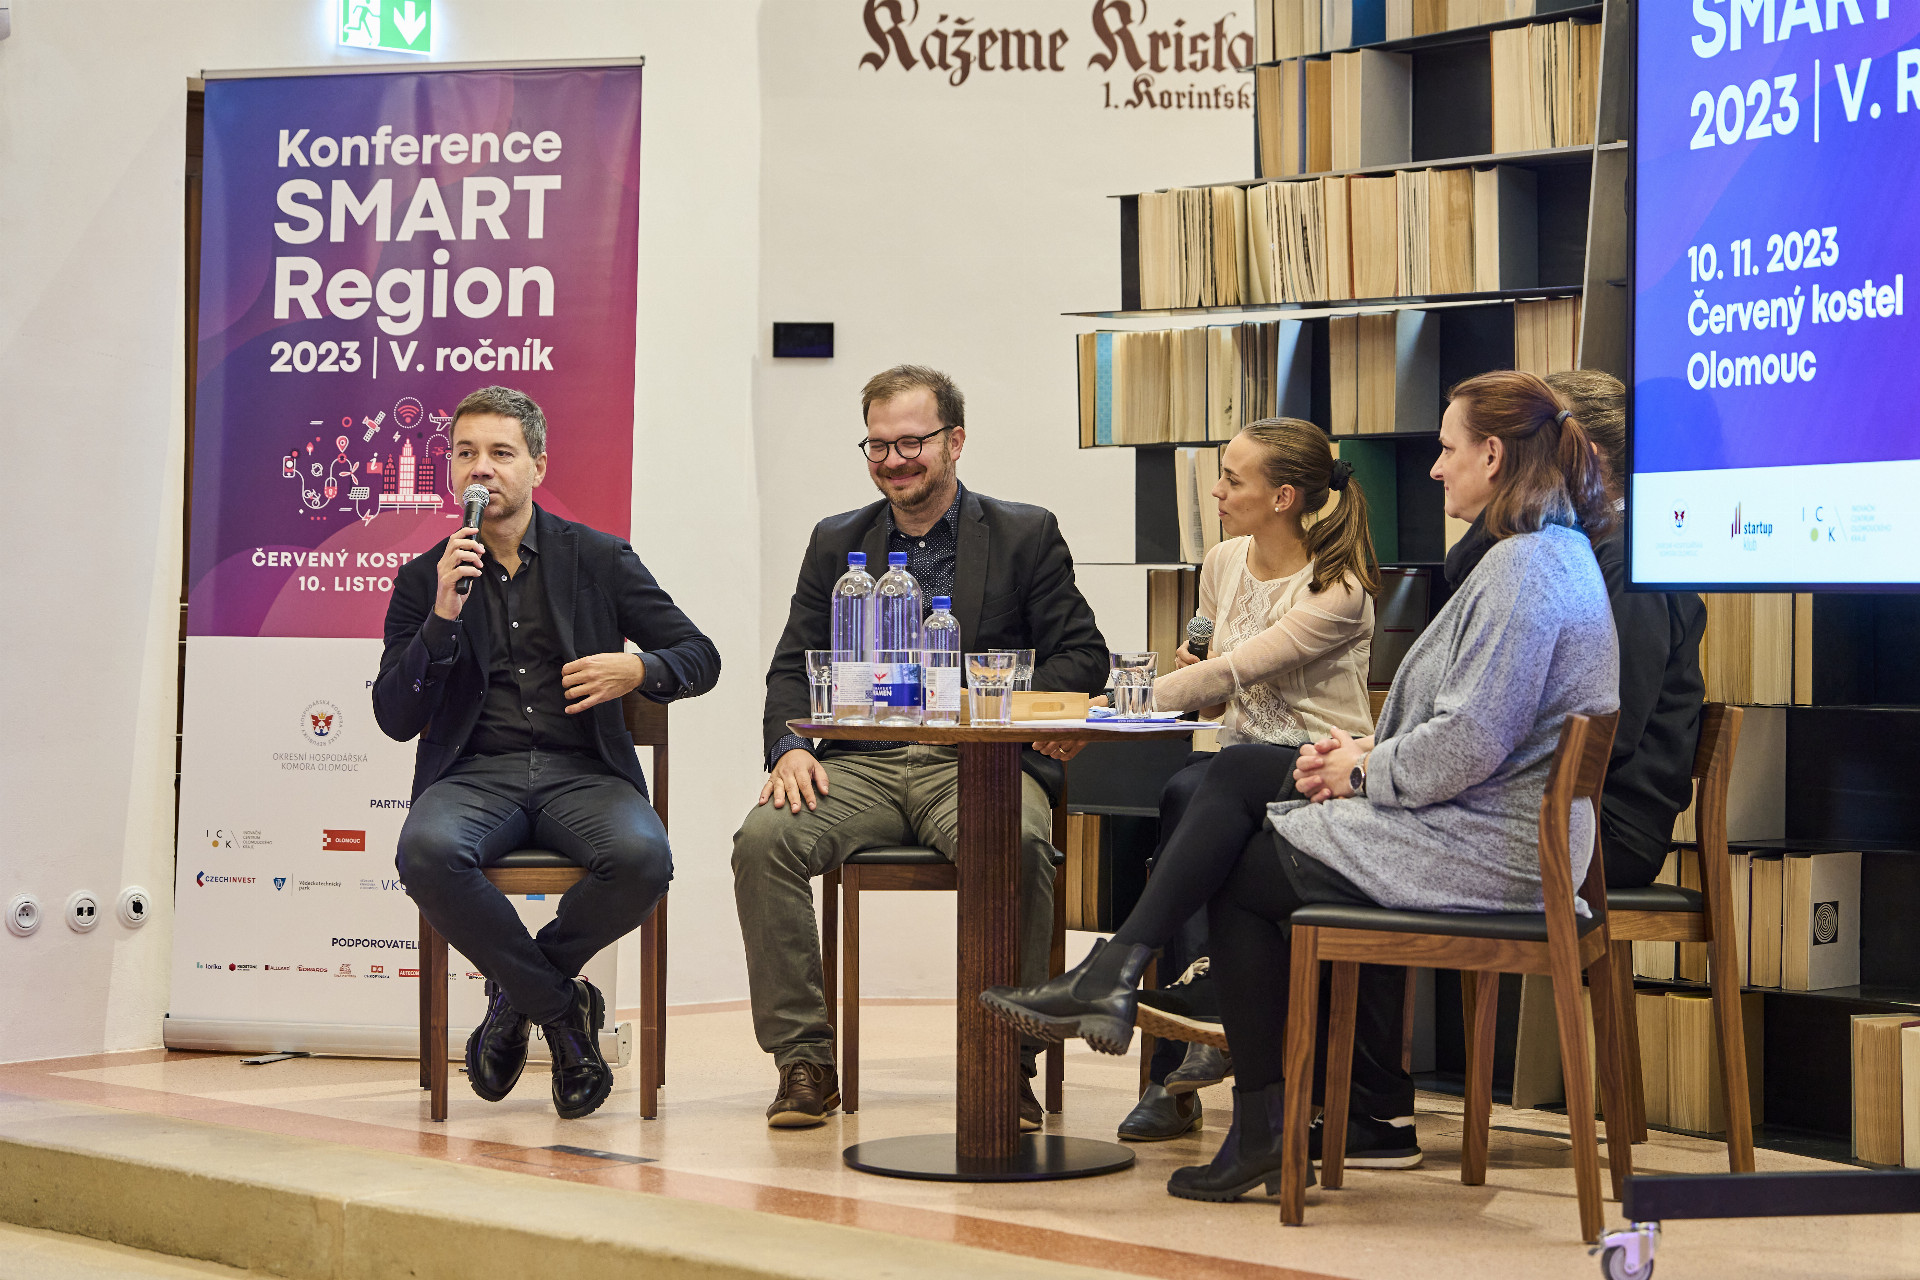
pixel 402 26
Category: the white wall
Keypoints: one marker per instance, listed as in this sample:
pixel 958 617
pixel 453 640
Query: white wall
pixel 780 180
pixel 92 144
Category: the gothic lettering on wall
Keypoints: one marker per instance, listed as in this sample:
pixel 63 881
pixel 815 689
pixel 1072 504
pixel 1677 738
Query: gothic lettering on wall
pixel 1146 59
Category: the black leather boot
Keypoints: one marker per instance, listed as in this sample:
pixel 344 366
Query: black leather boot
pixel 1249 1156
pixel 581 1077
pixel 1094 1000
pixel 1160 1116
pixel 497 1048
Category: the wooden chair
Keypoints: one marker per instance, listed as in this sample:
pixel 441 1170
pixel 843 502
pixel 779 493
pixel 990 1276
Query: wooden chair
pixel 542 871
pixel 1555 942
pixel 912 868
pixel 1667 913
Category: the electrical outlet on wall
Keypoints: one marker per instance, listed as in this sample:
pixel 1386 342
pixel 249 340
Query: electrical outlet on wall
pixel 83 910
pixel 23 915
pixel 135 906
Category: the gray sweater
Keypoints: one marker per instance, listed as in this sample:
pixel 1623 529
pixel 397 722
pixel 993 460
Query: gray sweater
pixel 1450 820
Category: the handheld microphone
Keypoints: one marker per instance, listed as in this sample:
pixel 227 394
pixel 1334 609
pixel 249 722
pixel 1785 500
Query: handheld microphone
pixel 476 499
pixel 1199 636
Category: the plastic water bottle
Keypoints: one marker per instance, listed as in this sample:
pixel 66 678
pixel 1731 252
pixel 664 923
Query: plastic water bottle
pixel 852 643
pixel 940 663
pixel 896 644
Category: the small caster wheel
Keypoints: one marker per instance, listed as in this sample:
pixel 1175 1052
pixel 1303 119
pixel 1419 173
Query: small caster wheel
pixel 1616 1265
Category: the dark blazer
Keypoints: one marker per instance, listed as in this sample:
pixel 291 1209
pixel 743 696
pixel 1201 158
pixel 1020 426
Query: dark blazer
pixel 601 596
pixel 1650 777
pixel 1013 588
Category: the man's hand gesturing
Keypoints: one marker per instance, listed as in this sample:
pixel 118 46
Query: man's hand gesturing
pixel 460 560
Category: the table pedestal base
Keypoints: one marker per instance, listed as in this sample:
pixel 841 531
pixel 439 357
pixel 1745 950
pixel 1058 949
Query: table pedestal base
pixel 1040 1157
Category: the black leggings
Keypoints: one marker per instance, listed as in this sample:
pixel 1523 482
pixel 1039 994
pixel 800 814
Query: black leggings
pixel 1223 856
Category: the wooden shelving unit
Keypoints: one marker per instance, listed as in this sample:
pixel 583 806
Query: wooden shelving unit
pixel 1852 731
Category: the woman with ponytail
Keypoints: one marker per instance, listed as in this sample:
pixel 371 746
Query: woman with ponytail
pixel 1289 591
pixel 1437 812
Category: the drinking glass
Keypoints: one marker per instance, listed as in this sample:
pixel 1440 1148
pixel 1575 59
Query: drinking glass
pixel 1132 684
pixel 1022 667
pixel 820 685
pixel 990 684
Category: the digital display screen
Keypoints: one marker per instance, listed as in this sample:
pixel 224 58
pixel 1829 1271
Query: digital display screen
pixel 1776 379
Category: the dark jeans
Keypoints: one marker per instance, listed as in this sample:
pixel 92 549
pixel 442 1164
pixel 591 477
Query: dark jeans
pixel 1632 863
pixel 1223 857
pixel 489 806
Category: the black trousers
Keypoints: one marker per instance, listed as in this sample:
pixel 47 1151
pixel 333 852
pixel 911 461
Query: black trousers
pixel 1223 857
pixel 489 806
pixel 1189 941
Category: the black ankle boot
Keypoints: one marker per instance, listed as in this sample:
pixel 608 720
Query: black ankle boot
pixel 497 1049
pixel 581 1077
pixel 1249 1156
pixel 1094 1000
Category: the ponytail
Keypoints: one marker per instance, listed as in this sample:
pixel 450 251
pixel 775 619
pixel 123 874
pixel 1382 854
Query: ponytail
pixel 1339 541
pixel 1551 473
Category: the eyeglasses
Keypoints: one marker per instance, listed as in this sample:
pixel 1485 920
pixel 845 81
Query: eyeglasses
pixel 908 447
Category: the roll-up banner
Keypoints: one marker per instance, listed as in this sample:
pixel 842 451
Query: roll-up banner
pixel 374 245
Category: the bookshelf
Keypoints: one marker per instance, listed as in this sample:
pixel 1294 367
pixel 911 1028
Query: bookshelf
pixel 1832 676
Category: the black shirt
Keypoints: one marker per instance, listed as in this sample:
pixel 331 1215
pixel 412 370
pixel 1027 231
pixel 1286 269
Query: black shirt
pixel 525 707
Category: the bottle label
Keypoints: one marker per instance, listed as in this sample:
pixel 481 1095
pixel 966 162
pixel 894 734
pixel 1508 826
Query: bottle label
pixel 896 684
pixel 852 683
pixel 943 689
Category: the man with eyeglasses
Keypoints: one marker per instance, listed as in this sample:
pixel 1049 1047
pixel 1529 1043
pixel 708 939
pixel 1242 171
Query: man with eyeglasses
pixel 1011 579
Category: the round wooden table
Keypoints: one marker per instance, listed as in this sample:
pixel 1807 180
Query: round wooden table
pixel 987 1145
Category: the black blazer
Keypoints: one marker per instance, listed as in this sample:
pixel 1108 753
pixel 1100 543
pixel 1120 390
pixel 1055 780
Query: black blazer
pixel 1013 588
pixel 601 596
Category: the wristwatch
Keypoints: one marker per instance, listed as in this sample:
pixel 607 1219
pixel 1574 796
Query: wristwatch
pixel 1357 780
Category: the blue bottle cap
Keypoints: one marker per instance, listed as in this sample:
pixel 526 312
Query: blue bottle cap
pixel 943 602
pixel 897 559
pixel 856 559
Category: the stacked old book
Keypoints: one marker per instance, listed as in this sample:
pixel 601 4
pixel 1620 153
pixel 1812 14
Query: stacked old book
pixel 1174 386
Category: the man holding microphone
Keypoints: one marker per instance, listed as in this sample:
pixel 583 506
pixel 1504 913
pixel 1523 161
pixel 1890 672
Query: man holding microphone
pixel 504 655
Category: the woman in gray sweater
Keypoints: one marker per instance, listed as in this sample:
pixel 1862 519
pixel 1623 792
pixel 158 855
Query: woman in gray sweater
pixel 1436 811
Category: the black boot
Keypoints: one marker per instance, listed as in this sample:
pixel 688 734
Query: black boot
pixel 1249 1156
pixel 1093 1000
pixel 1160 1116
pixel 497 1049
pixel 581 1077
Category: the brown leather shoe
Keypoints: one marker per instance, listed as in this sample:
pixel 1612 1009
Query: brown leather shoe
pixel 1030 1111
pixel 808 1092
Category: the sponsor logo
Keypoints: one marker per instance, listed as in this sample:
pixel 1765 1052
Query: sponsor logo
pixel 387 944
pixel 378 971
pixel 279 883
pixel 312 968
pixel 202 879
pixel 316 884
pixel 1679 519
pixel 471 974
pixel 241 968
pixel 277 968
pixel 332 841
pixel 344 971
pixel 320 723
pixel 1749 528
pixel 234 838
pixel 383 886
pixel 409 973
pixel 201 964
